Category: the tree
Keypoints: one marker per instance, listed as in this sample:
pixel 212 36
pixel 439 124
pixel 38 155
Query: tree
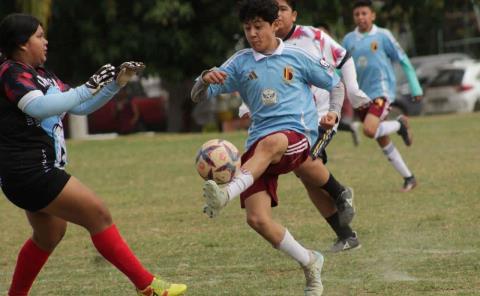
pixel 38 8
pixel 179 38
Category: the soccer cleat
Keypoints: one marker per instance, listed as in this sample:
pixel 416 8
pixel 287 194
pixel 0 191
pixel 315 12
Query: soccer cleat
pixel 159 287
pixel 216 198
pixel 409 183
pixel 345 208
pixel 313 275
pixel 404 130
pixel 346 244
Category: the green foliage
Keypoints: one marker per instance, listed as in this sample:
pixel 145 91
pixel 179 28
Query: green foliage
pixel 179 38
pixel 175 38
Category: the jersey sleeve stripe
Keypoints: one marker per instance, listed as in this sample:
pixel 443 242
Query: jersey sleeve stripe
pixel 345 58
pixel 28 98
pixel 236 55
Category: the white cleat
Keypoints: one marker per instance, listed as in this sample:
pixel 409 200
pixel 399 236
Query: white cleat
pixel 216 198
pixel 313 275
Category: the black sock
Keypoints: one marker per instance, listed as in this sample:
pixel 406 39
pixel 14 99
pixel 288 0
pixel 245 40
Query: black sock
pixel 333 188
pixel 345 126
pixel 343 232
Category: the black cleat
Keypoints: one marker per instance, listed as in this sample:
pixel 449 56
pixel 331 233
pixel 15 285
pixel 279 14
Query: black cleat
pixel 404 130
pixel 346 244
pixel 409 183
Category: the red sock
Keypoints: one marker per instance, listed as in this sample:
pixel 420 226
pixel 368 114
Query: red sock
pixel 29 263
pixel 112 246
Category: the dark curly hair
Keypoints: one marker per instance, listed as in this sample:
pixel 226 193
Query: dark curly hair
pixel 249 10
pixel 15 30
pixel 362 3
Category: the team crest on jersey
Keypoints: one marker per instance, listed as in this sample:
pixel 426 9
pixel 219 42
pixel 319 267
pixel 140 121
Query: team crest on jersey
pixel 374 46
pixel 269 97
pixel 288 74
pixel 362 61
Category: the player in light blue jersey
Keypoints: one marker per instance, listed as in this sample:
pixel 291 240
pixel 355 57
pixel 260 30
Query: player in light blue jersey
pixel 274 81
pixel 374 49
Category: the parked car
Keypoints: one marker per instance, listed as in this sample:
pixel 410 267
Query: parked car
pixel 456 88
pixel 426 68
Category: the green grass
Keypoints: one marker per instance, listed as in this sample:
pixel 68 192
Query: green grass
pixel 425 242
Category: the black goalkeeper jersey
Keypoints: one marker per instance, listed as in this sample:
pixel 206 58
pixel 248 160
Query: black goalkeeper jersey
pixel 28 146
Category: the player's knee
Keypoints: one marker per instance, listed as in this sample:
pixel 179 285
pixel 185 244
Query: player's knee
pixel 257 222
pixel 272 146
pixel 104 217
pixel 49 241
pixel 369 131
pixel 99 218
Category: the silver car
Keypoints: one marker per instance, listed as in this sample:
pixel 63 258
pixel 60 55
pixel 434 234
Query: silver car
pixel 456 88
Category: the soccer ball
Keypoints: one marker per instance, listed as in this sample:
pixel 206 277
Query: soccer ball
pixel 217 160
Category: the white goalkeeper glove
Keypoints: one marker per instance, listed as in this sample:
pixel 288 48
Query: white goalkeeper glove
pixel 126 71
pixel 98 80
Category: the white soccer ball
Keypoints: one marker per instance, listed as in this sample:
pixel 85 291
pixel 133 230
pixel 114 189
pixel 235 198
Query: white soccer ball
pixel 217 160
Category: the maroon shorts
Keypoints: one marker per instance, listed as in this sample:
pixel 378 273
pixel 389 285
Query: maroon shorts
pixel 297 152
pixel 378 107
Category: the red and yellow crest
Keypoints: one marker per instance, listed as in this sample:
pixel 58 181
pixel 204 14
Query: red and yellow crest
pixel 288 74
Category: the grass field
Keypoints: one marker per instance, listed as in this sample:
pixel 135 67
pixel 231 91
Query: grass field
pixel 426 242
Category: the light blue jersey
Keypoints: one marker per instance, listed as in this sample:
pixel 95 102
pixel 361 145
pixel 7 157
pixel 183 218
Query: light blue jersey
pixel 276 89
pixel 374 53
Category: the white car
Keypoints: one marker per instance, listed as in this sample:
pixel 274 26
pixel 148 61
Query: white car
pixel 456 88
pixel 426 68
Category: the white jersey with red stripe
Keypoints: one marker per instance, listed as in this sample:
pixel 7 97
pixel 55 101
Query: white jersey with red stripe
pixel 322 46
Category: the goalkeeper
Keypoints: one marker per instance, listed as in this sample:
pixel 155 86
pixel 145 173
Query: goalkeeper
pixel 33 156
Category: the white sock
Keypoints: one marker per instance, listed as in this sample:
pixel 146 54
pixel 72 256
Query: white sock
pixel 396 159
pixel 387 128
pixel 293 249
pixel 239 184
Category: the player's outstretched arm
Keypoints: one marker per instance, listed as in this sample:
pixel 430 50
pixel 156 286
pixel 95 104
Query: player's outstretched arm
pixel 55 102
pixel 126 71
pixel 103 76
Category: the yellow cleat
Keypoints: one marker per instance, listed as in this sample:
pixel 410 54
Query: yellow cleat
pixel 159 287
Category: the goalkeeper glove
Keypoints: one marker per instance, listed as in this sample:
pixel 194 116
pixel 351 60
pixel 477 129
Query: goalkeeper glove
pixel 98 80
pixel 126 71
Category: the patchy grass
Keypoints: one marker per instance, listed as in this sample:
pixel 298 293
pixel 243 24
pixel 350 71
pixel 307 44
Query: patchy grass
pixel 421 243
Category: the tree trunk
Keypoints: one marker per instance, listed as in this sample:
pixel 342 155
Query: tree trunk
pixel 179 106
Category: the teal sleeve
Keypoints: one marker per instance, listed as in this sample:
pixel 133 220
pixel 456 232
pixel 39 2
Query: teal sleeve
pixel 56 102
pixel 411 77
pixel 98 100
